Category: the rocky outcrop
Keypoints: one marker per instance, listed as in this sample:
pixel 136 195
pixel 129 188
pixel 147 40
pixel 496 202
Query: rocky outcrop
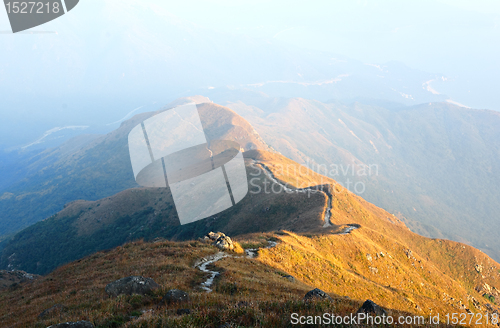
pixel 175 296
pixel 317 294
pixel 131 285
pixel 371 308
pixel 183 311
pixel 220 240
pixel 13 278
pixel 78 324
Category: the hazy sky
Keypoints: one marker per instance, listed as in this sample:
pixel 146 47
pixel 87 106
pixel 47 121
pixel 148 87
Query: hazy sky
pixel 431 35
pixel 376 30
pixel 459 39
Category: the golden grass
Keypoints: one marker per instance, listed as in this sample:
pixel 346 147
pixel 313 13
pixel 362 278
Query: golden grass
pixel 433 278
pixel 248 293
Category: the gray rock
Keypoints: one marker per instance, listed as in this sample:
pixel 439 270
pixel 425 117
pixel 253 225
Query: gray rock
pixel 131 285
pixel 79 324
pixel 224 243
pixel 289 278
pixel 372 308
pixel 183 311
pixel 175 296
pixel 215 235
pixel 225 325
pixel 58 308
pixel 317 294
pixel 220 240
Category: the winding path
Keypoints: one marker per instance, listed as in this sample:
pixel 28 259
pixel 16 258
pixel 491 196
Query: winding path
pixel 252 252
pixel 202 265
pixel 328 210
pixel 206 261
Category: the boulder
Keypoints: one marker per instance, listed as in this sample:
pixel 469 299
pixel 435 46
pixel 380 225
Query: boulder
pixel 225 325
pixel 58 308
pixel 372 308
pixel 183 311
pixel 220 240
pixel 175 296
pixel 224 243
pixel 289 278
pixel 131 285
pixel 317 294
pixel 214 235
pixel 79 324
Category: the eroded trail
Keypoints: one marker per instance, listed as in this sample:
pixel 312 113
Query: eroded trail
pixel 253 252
pixel 206 261
pixel 328 210
pixel 202 265
pixel 348 229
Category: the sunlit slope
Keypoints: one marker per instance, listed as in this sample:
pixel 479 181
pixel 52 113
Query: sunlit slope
pixel 383 259
pixel 247 292
pixel 435 163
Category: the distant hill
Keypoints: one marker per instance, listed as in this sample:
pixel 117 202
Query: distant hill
pixel 436 164
pixel 92 168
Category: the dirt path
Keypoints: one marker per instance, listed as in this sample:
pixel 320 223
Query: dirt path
pixel 202 265
pixel 204 262
pixel 328 210
pixel 253 252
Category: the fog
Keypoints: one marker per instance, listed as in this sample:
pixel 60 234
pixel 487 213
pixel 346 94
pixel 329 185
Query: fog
pixel 104 59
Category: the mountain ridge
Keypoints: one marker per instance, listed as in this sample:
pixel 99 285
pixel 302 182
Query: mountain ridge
pixel 99 168
pixel 434 160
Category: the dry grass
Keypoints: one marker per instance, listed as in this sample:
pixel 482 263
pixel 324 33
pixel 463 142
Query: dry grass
pixel 433 278
pixel 248 293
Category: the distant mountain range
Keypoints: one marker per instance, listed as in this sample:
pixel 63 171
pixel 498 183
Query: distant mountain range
pixel 436 164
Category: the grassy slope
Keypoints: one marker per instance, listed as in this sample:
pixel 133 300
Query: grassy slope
pixel 436 270
pixel 433 278
pixel 80 287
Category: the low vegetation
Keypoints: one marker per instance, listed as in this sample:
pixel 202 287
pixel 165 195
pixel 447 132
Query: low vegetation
pixel 247 293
